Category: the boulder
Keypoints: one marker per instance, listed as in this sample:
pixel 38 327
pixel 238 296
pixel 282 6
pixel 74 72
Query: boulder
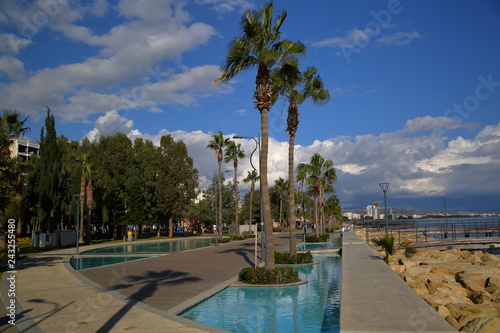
pixel 493 283
pixel 416 271
pixel 470 285
pixel 479 297
pixel 463 313
pixel 495 296
pixel 398 268
pixel 449 268
pixel 482 325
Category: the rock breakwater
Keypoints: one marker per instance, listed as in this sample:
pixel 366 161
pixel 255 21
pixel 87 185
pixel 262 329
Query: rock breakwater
pixel 462 286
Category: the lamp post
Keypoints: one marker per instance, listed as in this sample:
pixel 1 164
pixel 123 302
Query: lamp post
pixel 79 196
pixel 385 187
pixel 257 145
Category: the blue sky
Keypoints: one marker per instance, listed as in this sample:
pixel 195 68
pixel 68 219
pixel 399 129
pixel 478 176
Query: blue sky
pixel 415 87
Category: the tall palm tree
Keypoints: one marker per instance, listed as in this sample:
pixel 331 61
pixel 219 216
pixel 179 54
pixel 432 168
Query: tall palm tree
pixel 281 186
pixel 233 153
pixel 217 144
pixel 296 87
pixel 252 178
pixel 320 174
pixel 260 46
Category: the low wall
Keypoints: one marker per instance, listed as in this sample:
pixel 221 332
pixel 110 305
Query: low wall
pixel 375 299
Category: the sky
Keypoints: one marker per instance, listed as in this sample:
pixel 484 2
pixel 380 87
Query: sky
pixel 415 87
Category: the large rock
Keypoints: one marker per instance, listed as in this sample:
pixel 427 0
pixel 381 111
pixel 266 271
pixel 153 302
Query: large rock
pixel 464 313
pixel 482 325
pixel 493 284
pixel 449 268
pixel 480 297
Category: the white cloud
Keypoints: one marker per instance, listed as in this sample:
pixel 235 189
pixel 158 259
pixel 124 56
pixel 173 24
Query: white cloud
pixel 421 166
pixel 428 123
pixel 398 38
pixel 12 44
pixel 125 63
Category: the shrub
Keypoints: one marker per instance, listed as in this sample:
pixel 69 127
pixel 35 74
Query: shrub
pixel 284 258
pixel 261 275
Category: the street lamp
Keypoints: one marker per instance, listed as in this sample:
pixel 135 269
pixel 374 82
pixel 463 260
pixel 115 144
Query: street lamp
pixel 257 145
pixel 80 197
pixel 385 187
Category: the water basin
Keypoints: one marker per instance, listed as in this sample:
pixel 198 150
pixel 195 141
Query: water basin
pixel 311 307
pixel 80 263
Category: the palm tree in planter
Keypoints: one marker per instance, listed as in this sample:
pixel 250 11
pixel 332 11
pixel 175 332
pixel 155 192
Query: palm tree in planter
pixel 252 178
pixel 296 87
pixel 233 153
pixel 260 46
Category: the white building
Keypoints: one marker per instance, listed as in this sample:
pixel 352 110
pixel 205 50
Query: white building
pixel 373 211
pixel 24 148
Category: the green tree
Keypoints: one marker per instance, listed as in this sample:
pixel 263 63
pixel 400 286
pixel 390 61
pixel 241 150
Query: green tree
pixel 217 144
pixel 320 175
pixel 261 46
pixel 233 153
pixel 6 182
pixel 111 158
pixel 296 87
pixel 49 170
pixel 176 181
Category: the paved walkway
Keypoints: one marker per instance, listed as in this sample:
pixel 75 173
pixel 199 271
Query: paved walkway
pixel 137 296
pixel 375 299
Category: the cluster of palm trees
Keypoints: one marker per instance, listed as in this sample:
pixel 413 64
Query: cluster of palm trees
pixel 278 75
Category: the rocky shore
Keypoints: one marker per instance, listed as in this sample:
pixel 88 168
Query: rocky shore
pixel 462 286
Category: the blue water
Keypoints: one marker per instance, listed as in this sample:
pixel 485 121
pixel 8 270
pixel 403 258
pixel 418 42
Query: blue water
pixel 310 307
pixel 80 263
pixel 313 246
pixel 157 247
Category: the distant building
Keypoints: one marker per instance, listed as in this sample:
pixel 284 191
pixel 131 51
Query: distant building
pixel 352 216
pixel 24 148
pixel 373 211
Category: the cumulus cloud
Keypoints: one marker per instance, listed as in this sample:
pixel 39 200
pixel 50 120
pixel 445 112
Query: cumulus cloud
pixel 125 64
pixel 425 165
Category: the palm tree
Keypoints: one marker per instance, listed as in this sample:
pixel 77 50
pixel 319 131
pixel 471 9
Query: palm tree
pixel 320 174
pixel 296 87
pixel 13 125
pixel 281 186
pixel 233 153
pixel 217 144
pixel 252 177
pixel 387 245
pixel 260 46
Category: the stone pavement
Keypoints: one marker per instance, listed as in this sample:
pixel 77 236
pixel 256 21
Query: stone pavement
pixel 375 299
pixel 137 296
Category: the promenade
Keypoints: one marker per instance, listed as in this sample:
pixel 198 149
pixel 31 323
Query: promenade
pixel 137 296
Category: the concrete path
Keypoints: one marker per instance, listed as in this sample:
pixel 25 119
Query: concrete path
pixel 375 299
pixel 128 297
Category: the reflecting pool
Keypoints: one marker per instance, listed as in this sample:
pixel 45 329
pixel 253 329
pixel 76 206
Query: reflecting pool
pixel 310 307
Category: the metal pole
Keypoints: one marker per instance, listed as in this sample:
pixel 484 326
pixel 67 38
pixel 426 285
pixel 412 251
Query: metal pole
pixel 79 196
pixel 385 187
pixel 257 145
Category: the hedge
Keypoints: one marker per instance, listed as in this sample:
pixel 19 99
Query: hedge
pixel 284 258
pixel 261 275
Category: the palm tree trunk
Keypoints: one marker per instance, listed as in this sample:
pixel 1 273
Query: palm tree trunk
pixel 291 197
pixel 219 209
pixel 266 202
pixel 236 200
pixel 316 217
